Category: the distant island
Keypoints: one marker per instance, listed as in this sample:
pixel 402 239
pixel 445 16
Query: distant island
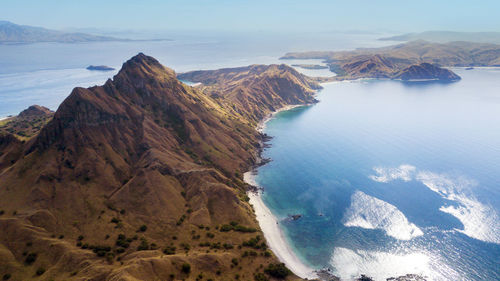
pixel 405 61
pixel 310 66
pixel 99 68
pixel 11 33
pixel 448 36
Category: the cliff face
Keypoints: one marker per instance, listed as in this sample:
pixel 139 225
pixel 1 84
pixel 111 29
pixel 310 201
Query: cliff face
pixel 252 92
pixel 426 71
pixel 133 179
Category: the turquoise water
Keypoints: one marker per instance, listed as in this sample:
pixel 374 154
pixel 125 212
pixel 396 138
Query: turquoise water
pixel 392 178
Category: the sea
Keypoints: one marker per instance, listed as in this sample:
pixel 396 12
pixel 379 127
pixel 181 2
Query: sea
pixel 389 178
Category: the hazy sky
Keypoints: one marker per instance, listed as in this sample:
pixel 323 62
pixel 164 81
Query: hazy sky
pixel 321 15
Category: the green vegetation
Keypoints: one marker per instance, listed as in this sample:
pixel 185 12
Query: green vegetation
pixel 40 271
pixel 255 243
pixel 143 228
pixel 260 277
pixel 186 268
pixel 144 245
pixel 30 258
pixel 6 276
pixel 181 220
pixel 169 250
pixel 236 227
pixel 277 270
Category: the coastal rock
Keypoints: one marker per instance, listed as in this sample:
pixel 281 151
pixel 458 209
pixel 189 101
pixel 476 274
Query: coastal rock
pixel 407 277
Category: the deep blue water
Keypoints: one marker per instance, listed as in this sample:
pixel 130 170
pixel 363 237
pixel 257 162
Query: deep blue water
pixel 392 178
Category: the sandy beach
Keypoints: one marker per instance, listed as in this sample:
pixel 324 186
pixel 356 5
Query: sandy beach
pixel 274 235
pixel 269 223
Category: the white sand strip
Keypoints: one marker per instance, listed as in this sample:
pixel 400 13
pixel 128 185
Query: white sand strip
pixel 274 235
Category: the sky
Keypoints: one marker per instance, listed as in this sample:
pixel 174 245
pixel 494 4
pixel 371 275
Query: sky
pixel 257 15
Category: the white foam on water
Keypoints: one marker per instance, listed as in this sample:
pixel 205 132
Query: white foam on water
pixel 480 221
pixel 371 213
pixel 385 174
pixel 349 264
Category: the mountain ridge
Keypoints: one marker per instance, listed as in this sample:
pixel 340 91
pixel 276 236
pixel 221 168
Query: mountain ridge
pixel 136 178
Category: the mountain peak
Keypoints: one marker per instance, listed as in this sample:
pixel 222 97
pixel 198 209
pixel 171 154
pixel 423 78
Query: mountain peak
pixel 141 66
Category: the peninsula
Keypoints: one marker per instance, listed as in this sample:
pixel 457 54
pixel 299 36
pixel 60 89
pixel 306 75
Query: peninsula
pixel 389 62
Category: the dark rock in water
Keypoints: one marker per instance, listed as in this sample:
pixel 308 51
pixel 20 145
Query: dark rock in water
pixel 407 277
pixel 326 275
pixel 100 68
pixel 469 68
pixel 295 217
pixel 364 278
pixel 426 71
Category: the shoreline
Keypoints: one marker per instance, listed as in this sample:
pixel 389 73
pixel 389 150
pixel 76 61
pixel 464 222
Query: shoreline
pixel 273 234
pixel 269 224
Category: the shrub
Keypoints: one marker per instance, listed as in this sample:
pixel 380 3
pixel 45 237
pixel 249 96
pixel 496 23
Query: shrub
pixel 30 258
pixel 40 271
pixel 115 220
pixel 6 276
pixel 80 238
pixel 186 268
pixel 143 228
pixel 144 245
pixel 277 270
pixel 260 277
pixel 169 250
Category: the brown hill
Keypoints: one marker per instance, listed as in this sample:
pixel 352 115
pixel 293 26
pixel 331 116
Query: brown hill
pixel 139 179
pixel 401 56
pixel 375 66
pixel 28 123
pixel 426 71
pixel 252 92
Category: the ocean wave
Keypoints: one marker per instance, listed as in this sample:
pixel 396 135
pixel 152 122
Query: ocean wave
pixel 349 264
pixel 384 174
pixel 480 221
pixel 371 213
